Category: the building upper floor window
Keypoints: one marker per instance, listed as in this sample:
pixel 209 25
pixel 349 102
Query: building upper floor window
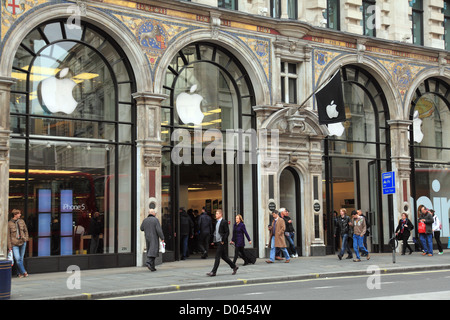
pixel 276 8
pixel 417 21
pixel 331 15
pixel 292 9
pixel 368 18
pixel 228 4
pixel 289 76
pixel 446 12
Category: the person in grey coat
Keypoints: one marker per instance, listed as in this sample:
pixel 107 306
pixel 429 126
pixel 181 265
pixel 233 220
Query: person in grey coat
pixel 153 232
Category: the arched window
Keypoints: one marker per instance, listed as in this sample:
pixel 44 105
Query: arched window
pixel 430 148
pixel 209 89
pixel 355 160
pixel 72 141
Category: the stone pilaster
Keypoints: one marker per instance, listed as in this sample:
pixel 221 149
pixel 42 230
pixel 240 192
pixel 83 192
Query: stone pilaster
pixel 5 85
pixel 401 165
pixel 149 160
pixel 314 208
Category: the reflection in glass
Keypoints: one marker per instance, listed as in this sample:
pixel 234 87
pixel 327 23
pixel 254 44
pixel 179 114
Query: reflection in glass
pixel 80 163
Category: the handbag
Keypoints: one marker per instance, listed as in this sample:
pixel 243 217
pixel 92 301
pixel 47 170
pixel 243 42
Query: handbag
pixel 422 227
pixel 10 257
pixel 162 247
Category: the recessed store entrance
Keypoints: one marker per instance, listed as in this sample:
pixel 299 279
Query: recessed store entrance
pixel 290 199
pixel 207 161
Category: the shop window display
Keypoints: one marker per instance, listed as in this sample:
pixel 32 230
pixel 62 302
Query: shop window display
pixel 72 151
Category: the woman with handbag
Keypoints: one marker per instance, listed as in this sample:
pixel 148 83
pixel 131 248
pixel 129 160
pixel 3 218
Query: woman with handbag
pixel 403 232
pixel 238 240
pixel 17 240
pixel 426 230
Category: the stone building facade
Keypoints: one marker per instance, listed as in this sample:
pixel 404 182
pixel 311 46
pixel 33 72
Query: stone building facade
pixel 254 62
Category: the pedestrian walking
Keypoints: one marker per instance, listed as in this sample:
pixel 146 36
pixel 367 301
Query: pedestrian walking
pixel 95 230
pixel 426 236
pixel 403 232
pixel 17 240
pixel 153 233
pixel 359 229
pixel 205 230
pixel 360 213
pixel 289 233
pixel 238 240
pixel 343 228
pixel 277 237
pixel 192 242
pixel 186 232
pixel 221 234
pixel 437 227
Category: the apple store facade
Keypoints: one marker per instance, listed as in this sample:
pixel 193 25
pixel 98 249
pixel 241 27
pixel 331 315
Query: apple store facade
pixel 73 153
pixel 165 107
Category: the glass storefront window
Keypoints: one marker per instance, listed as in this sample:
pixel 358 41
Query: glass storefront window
pixel 355 160
pixel 72 171
pixel 214 87
pixel 430 115
pixel 429 119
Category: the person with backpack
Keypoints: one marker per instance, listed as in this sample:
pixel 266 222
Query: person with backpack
pixel 437 227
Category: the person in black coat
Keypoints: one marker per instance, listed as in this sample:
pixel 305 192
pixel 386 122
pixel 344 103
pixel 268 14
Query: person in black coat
pixel 221 233
pixel 186 232
pixel 403 232
pixel 343 228
pixel 205 231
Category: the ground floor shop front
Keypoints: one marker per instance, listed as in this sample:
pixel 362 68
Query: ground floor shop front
pixel 133 110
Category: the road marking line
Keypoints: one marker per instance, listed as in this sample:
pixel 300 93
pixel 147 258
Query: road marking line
pixel 279 282
pixel 89 295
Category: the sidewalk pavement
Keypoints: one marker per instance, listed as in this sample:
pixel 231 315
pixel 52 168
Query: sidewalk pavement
pixel 191 274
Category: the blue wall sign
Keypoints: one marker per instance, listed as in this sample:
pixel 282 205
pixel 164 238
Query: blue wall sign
pixel 388 182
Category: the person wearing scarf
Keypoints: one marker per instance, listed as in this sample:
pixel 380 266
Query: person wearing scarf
pixel 17 240
pixel 403 232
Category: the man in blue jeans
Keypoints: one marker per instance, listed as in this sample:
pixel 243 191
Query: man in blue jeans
pixel 277 237
pixel 359 229
pixel 426 238
pixel 289 233
pixel 342 225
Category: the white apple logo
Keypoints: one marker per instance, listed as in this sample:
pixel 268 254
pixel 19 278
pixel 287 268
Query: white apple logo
pixel 417 127
pixel 331 110
pixel 336 129
pixel 188 107
pixel 55 93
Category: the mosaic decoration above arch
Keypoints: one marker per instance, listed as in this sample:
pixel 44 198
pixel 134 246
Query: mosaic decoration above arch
pixel 13 10
pixel 154 36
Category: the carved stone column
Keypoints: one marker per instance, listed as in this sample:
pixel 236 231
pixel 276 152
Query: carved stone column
pixel 314 207
pixel 401 166
pixel 5 85
pixel 149 161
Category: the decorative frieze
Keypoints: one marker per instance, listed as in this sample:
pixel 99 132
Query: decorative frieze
pixel 152 160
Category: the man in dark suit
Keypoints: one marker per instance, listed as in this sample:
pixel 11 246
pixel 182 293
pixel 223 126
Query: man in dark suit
pixel 221 234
